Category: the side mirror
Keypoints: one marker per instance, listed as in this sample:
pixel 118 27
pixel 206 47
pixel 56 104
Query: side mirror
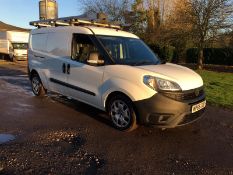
pixel 95 59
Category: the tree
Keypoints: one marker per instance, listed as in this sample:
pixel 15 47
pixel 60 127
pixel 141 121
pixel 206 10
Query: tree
pixel 199 22
pixel 146 19
pixel 208 18
pixel 142 17
pixel 115 9
pixel 231 40
pixel 176 29
pixel 136 19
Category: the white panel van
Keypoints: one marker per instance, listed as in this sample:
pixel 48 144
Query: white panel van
pixel 116 72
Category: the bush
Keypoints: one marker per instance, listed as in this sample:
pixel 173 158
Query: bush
pixel 218 56
pixel 167 53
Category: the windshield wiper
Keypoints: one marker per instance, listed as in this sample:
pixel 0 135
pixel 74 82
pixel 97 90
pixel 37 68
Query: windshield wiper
pixel 142 63
pixel 163 61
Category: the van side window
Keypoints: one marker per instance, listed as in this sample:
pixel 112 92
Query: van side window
pixel 82 46
pixel 39 42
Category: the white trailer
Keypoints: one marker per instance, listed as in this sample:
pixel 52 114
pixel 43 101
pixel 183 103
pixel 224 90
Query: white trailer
pixel 14 44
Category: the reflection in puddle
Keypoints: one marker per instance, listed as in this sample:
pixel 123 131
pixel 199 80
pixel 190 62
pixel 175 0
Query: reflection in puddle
pixel 6 138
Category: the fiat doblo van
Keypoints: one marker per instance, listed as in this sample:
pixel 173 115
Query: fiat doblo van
pixel 114 71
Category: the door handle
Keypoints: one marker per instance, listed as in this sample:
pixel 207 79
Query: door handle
pixel 68 69
pixel 64 68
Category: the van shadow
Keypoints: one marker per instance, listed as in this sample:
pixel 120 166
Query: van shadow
pixel 81 107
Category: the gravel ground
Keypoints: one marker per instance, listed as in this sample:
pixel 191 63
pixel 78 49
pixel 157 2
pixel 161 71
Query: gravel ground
pixel 57 135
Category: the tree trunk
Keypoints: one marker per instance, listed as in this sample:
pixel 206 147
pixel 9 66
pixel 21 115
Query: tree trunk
pixel 200 58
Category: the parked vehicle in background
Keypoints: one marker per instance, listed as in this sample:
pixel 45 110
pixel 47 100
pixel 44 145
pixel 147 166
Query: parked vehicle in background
pixel 114 71
pixel 14 44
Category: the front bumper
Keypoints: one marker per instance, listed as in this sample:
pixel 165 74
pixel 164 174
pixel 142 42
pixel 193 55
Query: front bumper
pixel 164 112
pixel 21 58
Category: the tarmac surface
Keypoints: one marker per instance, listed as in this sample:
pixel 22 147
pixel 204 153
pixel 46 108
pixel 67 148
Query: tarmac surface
pixel 58 135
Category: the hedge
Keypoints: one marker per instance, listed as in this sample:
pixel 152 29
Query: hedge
pixel 217 56
pixel 167 53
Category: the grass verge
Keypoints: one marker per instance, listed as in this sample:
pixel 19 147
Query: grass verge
pixel 218 87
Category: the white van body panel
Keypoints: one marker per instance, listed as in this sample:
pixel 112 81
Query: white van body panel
pixel 50 56
pixel 125 79
pixel 102 80
pixel 85 30
pixel 185 77
pixel 89 78
pixel 67 29
pixel 111 32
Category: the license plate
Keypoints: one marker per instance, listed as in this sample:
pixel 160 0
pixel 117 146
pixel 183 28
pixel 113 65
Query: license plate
pixel 198 106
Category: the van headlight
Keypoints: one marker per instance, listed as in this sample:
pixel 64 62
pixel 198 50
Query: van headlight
pixel 160 84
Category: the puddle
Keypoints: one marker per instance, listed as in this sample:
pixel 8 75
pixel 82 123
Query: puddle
pixel 6 138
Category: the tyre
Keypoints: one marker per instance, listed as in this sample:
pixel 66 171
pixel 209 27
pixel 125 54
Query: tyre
pixel 14 59
pixel 37 86
pixel 122 113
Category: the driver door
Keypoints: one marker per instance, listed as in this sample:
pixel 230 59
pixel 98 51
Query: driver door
pixel 84 79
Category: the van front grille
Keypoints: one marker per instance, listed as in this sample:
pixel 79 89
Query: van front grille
pixel 185 95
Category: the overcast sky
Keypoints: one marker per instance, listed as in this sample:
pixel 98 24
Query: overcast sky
pixel 21 12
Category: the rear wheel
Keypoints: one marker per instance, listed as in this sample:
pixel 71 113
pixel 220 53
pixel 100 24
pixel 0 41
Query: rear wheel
pixel 122 113
pixel 37 86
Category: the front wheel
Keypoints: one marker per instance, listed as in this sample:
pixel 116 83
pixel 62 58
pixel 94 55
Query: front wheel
pixel 122 113
pixel 14 59
pixel 37 86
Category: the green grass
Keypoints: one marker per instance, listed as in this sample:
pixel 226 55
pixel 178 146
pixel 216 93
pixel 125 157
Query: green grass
pixel 218 88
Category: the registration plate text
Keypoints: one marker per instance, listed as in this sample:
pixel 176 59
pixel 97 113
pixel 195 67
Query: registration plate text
pixel 198 106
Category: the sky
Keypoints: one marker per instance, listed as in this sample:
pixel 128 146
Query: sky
pixel 21 12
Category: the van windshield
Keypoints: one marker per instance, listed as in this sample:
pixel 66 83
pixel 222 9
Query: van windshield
pixel 129 51
pixel 20 46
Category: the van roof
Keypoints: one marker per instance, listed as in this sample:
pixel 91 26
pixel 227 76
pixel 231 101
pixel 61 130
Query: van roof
pixel 85 30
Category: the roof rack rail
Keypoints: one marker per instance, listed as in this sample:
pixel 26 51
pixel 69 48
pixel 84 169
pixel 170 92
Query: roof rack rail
pixel 71 21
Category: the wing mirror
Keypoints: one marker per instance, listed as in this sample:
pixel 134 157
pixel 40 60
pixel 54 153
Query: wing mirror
pixel 95 59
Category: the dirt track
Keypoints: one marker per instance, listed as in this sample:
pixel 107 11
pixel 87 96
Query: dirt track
pixel 56 135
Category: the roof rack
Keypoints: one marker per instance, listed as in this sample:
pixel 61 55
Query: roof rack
pixel 71 21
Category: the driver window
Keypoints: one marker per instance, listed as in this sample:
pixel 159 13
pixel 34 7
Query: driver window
pixel 82 46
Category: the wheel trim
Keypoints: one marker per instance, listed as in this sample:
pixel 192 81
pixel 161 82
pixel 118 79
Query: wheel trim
pixel 36 85
pixel 120 114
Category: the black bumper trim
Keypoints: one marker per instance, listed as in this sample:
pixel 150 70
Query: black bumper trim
pixel 165 112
